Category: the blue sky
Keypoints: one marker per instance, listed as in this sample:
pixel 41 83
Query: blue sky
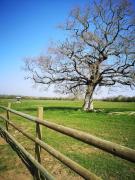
pixel 26 27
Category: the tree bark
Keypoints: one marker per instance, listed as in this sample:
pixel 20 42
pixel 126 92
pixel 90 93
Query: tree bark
pixel 88 101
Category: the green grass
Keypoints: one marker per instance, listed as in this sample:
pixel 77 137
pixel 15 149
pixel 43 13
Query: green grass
pixel 5 160
pixel 116 128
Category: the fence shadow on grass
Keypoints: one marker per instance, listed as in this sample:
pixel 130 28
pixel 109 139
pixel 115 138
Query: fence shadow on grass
pixel 101 110
pixel 54 108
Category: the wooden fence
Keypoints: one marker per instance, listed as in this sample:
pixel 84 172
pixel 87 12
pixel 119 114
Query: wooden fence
pixel 34 164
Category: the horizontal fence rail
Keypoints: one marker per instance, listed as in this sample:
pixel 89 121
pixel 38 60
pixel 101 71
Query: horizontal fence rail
pixel 113 148
pixel 68 162
pixel 7 136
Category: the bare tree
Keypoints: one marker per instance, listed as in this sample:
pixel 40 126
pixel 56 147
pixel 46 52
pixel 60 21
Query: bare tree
pixel 99 51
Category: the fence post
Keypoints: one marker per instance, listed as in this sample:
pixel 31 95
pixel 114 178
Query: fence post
pixel 8 116
pixel 39 136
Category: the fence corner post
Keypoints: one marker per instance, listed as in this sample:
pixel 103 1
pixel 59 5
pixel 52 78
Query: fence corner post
pixel 8 116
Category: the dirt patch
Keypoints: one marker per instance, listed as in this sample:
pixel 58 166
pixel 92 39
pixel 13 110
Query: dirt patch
pixel 2 141
pixel 12 175
pixel 57 169
pixel 82 149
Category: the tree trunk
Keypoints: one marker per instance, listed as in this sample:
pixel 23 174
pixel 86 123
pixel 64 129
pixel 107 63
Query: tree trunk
pixel 88 101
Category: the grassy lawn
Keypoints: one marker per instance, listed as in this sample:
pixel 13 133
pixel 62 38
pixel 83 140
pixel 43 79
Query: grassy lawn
pixel 118 128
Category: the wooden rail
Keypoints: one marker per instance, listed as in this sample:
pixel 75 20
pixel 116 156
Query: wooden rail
pixel 71 164
pixel 113 148
pixel 21 150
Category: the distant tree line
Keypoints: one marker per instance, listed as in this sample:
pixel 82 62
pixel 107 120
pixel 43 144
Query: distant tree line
pixel 111 99
pixel 36 98
pixel 8 96
pixel 120 99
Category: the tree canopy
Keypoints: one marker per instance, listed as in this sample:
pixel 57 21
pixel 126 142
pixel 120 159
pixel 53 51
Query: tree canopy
pixel 99 51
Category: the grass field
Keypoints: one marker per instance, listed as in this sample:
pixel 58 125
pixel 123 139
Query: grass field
pixel 109 125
